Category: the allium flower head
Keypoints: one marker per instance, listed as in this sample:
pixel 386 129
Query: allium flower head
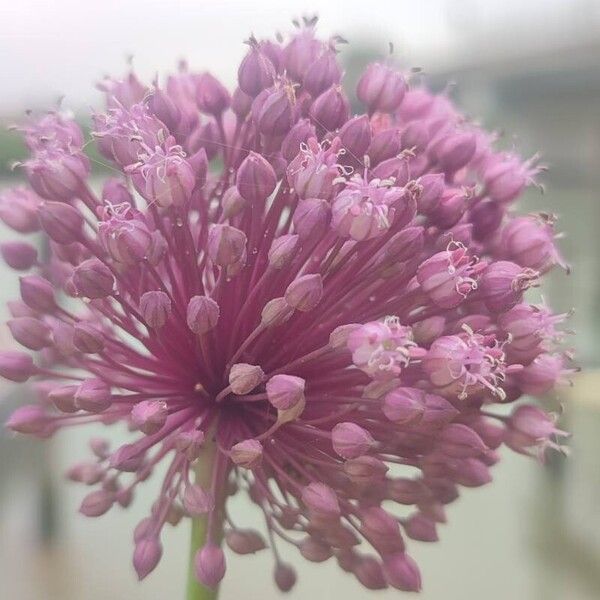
pixel 284 300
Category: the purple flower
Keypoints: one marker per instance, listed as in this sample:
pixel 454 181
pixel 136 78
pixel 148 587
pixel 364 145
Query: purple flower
pixel 331 295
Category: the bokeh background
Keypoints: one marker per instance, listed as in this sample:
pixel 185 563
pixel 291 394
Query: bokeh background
pixel 530 69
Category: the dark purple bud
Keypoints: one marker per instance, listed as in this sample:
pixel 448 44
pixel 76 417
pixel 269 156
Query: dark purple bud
pixel 298 134
pixel 211 95
pixel 385 144
pixel 355 136
pixel 162 106
pixel 275 114
pixel 322 73
pixel 255 179
pixel 256 72
pixel 486 217
pixel 381 88
pixel 503 284
pixel 241 104
pixel 311 217
pixel 330 110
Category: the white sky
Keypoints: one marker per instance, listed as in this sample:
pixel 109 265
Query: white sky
pixel 49 49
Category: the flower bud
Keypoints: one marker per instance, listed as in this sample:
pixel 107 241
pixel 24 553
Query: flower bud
pixel 381 88
pixel 19 255
pixel 87 338
pixel 241 104
pixel 503 284
pixel 275 312
pixel 382 530
pixel 402 572
pixel 37 293
pixel 321 501
pixel 210 565
pixel 285 391
pixel 542 375
pixel 505 177
pixel 97 503
pixel 404 405
pixel 305 292
pixel 274 114
pixel 421 528
pixel 282 250
pixel 164 108
pixel 18 210
pixel 155 308
pixel 322 74
pixel 149 416
pixel 311 217
pixel 63 397
pixel 233 204
pixel 243 378
pixel 146 556
pixel 315 550
pixel 30 332
pixel 211 95
pixel 365 469
pixel 298 135
pixel 30 419
pixel 338 338
pixel 432 185
pixel 93 279
pixel 486 217
pixel 93 395
pixel 244 541
pixel 128 458
pixel 385 144
pixel 127 242
pixel 16 366
pixel 330 110
pixel 285 576
pixel 459 441
pixel 190 443
pixel 226 245
pixel 197 501
pixel 256 72
pixel 369 572
pixel 355 136
pixel 202 314
pixel 62 222
pixel 247 454
pixel 455 151
pixel 255 179
pixel 349 440
pixel 529 241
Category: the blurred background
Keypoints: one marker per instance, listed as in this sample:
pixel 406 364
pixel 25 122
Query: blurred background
pixel 530 69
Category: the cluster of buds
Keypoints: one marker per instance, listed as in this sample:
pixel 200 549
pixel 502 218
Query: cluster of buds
pixel 334 295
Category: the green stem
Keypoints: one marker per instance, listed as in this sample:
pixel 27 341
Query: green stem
pixel 204 472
